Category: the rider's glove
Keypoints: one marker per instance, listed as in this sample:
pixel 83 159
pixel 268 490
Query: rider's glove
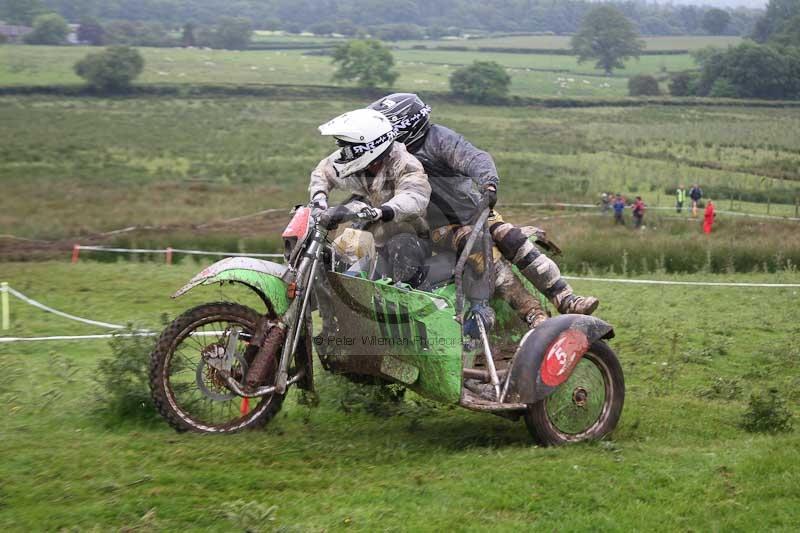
pixel 372 214
pixel 333 216
pixel 489 198
pixel 320 201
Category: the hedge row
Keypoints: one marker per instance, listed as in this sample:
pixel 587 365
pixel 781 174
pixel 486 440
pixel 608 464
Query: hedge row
pixel 539 51
pixel 290 92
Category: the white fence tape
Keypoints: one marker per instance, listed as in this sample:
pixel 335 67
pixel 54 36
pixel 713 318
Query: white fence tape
pixel 34 303
pixel 689 283
pixel 660 208
pixel 172 250
pixel 4 288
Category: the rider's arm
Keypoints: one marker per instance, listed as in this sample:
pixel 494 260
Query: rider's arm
pixel 322 178
pixel 464 158
pixel 412 191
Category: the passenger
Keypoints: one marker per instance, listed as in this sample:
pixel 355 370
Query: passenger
pixel 459 175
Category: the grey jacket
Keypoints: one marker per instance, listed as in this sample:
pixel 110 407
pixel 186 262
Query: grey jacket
pixel 454 167
pixel 400 184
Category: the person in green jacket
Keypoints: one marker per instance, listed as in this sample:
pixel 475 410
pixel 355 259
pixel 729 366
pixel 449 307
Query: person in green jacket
pixel 680 197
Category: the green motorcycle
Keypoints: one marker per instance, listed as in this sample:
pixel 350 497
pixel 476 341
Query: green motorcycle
pixel 223 367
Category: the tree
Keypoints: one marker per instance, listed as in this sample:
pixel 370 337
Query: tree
pixel 187 35
pixel 716 20
pixel 92 32
pixel 233 33
pixel 643 85
pixel 48 29
pixel 481 82
pixel 367 62
pixel 111 70
pixel 779 13
pixel 789 35
pixel 751 70
pixel 20 12
pixel 607 36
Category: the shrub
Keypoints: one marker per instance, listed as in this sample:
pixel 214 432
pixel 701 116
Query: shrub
pixel 643 85
pixel 481 82
pixel 112 69
pixel 683 84
pixel 767 413
pixel 48 29
pixel 123 378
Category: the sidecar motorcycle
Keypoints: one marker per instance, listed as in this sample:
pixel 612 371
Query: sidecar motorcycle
pixel 223 367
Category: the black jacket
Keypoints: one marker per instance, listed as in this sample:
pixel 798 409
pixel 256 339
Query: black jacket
pixel 456 171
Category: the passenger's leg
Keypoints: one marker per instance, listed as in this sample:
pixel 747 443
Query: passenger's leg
pixel 540 270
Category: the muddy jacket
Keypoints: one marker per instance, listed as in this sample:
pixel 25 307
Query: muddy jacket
pixel 454 167
pixel 400 184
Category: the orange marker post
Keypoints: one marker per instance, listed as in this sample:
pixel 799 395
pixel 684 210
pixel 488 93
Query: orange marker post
pixel 76 250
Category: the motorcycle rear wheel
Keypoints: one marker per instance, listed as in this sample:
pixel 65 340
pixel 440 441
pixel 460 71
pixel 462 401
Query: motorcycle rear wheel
pixel 585 407
pixel 186 391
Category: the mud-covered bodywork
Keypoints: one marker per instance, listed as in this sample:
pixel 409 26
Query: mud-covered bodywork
pixel 406 336
pixel 264 277
pixel 547 355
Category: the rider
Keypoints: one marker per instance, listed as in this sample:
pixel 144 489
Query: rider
pixel 453 165
pixel 386 182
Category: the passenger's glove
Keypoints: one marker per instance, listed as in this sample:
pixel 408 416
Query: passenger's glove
pixel 334 216
pixel 479 311
pixel 489 198
pixel 320 201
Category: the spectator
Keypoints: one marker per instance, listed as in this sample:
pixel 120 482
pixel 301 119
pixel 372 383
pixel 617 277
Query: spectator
pixel 695 193
pixel 605 202
pixel 680 198
pixel 708 217
pixel 619 207
pixel 638 212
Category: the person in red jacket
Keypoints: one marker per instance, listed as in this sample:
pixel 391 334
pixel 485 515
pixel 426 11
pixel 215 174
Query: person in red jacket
pixel 708 217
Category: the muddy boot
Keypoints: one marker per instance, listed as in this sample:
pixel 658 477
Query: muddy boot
pixel 536 317
pixel 566 302
pixel 511 289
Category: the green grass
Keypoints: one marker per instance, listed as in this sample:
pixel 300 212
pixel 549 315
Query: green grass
pixel 74 166
pixel 532 75
pixel 678 460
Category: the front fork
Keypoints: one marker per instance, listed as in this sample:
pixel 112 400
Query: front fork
pixel 296 313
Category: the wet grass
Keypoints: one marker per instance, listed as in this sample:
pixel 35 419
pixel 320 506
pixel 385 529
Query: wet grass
pixel 679 459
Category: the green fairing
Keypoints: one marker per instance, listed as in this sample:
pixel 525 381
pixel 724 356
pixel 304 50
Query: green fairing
pixel 406 335
pixel 272 287
pixel 439 365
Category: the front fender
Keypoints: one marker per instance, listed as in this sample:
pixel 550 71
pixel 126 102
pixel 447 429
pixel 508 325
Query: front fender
pixel 264 277
pixel 548 354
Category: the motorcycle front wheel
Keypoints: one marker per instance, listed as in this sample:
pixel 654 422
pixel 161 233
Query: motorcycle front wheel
pixel 188 391
pixel 585 407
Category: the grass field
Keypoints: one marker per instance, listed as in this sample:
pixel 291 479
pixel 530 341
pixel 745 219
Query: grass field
pixel 678 461
pixel 532 75
pixel 75 166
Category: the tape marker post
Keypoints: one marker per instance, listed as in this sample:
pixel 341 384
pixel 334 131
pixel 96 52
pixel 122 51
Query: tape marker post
pixel 4 309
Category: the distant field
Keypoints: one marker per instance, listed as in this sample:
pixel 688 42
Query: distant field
pixel 532 75
pixel 558 42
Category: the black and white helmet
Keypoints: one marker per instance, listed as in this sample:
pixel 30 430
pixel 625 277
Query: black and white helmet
pixel 363 136
pixel 408 113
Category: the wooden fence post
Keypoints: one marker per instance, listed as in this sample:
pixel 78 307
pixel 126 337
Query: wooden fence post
pixel 169 255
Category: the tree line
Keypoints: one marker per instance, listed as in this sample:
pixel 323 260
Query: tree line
pixel 398 19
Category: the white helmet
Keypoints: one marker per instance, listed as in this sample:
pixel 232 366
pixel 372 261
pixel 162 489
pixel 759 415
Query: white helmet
pixel 363 136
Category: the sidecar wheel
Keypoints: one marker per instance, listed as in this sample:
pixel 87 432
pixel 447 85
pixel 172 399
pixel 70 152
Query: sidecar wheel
pixel 186 391
pixel 585 407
